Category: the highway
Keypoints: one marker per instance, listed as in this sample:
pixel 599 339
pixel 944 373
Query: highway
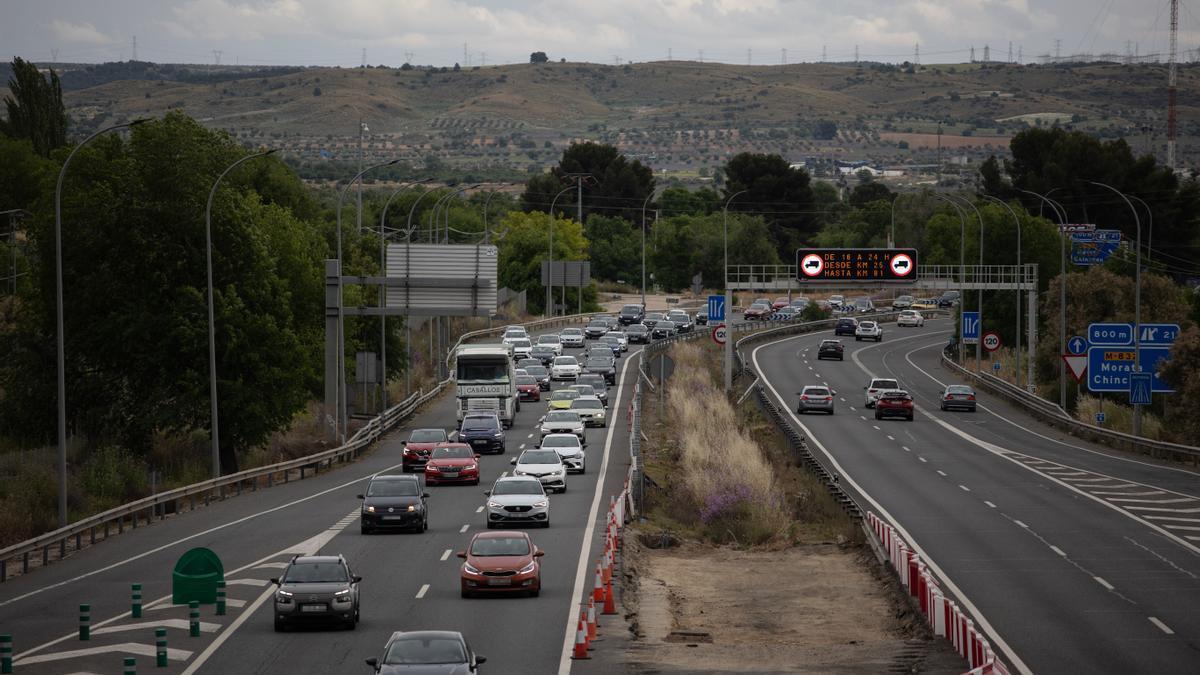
pixel 410 581
pixel 1073 557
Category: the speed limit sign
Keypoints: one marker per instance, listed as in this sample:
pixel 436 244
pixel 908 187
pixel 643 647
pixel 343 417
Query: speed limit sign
pixel 719 334
pixel 991 341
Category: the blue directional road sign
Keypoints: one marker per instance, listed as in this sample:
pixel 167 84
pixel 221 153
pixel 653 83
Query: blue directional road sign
pixel 1077 345
pixel 1099 418
pixel 1109 368
pixel 1093 248
pixel 716 308
pixel 970 328
pixel 1139 388
pixel 996 366
pixel 1158 333
pixel 1110 334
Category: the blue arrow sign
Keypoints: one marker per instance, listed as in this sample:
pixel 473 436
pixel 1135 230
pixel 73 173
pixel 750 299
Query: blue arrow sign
pixel 1139 388
pixel 1099 418
pixel 996 366
pixel 1109 368
pixel 1158 333
pixel 1110 334
pixel 1077 345
pixel 970 328
pixel 716 308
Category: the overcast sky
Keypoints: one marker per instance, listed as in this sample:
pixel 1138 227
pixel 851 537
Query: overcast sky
pixel 335 32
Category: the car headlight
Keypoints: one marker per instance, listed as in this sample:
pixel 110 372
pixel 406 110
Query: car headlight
pixel 412 508
pixel 470 467
pixel 558 472
pixel 541 505
pixel 369 509
pixel 498 434
pixel 470 569
pixel 342 595
pixel 526 569
pixel 518 472
pixel 494 505
pixel 283 594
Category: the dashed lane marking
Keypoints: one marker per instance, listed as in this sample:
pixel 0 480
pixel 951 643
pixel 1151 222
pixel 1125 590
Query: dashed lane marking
pixel 990 505
pixel 124 648
pixel 1103 583
pixel 424 589
pixel 1161 626
pixel 479 510
pixel 464 528
pixel 446 554
pixel 1020 524
pixel 1058 551
pixel 941 473
pixel 965 488
pixel 922 459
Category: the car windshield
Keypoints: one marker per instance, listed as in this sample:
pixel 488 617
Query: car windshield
pixel 453 453
pixel 520 342
pixel 630 309
pixel 838 298
pixel 316 573
pixel 560 416
pixel 565 361
pixel 665 325
pixel 536 371
pixel 548 340
pixel 393 488
pixel 816 391
pixel 425 651
pixel 514 332
pixel 561 441
pixel 584 389
pixel 636 328
pixel 590 404
pixel 518 487
pixel 427 436
pixel 499 546
pixel 885 384
pixel 565 395
pixel 598 323
pixel 526 380
pixel 594 381
pixel 958 389
pixel 479 424
pixel 867 324
pixel 759 305
pixel 571 331
pixel 538 457
pixel 830 343
pixel 654 315
pixel 598 363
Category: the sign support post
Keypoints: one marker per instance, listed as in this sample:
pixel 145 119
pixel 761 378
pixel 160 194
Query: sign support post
pixel 728 338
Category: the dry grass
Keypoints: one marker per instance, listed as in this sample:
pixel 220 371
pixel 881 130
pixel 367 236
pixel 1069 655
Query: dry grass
pixel 1117 417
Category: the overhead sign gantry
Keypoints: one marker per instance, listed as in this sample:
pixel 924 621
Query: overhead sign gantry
pixel 867 265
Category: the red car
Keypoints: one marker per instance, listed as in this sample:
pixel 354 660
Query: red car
pixel 780 303
pixel 418 446
pixel 501 562
pixel 894 403
pixel 759 310
pixel 452 463
pixel 528 388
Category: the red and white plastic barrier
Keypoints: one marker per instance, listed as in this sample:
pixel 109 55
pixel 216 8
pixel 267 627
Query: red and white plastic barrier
pixel 944 615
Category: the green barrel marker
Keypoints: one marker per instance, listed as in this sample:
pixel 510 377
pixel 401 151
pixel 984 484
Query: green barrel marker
pixel 194 616
pixel 220 598
pixel 136 611
pixel 160 647
pixel 85 622
pixel 130 665
pixel 6 651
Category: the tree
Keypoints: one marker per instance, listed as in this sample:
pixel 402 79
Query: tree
pixel 614 247
pixel 538 57
pixel 1182 372
pixel 777 191
pixel 991 179
pixel 524 242
pixel 870 191
pixel 35 108
pixel 613 186
pixel 680 201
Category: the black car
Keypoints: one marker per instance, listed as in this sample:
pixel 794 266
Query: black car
pixel 543 353
pixel 949 299
pixel 428 652
pixel 529 361
pixel 596 328
pixel 541 374
pixel 598 383
pixel 603 367
pixel 631 314
pixel 316 588
pixel 683 322
pixel 483 433
pixel 652 318
pixel 702 317
pixel 846 326
pixel 663 329
pixel 637 333
pixel 830 349
pixel 394 502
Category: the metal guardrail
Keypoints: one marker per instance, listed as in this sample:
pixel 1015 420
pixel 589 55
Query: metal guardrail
pixel 1054 415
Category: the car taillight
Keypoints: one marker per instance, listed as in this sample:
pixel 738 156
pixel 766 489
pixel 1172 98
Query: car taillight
pixel 828 398
pixel 970 397
pixel 804 398
pixel 949 397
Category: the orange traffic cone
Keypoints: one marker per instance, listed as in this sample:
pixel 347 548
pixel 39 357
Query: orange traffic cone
pixel 598 589
pixel 592 625
pixel 606 570
pixel 581 646
pixel 610 602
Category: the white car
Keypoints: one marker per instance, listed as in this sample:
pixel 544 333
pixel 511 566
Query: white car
pixel 544 465
pixel 551 341
pixel 910 317
pixel 571 337
pixel 621 338
pixel 563 422
pixel 569 449
pixel 565 368
pixel 868 330
pixel 515 332
pixel 877 386
pixel 591 410
pixel 517 499
pixel 521 348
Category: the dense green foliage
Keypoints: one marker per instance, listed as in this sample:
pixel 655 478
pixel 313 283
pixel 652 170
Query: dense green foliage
pixel 35 108
pixel 612 185
pixel 780 194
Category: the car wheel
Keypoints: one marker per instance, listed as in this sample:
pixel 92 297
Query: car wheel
pixel 280 627
pixel 857 339
pixel 546 524
pixel 563 489
pixel 357 613
pixel 943 407
pixel 582 468
pixel 364 530
pixel 910 418
pixel 518 406
pixel 878 416
pixel 465 593
pixel 831 411
pixel 535 592
pixel 491 525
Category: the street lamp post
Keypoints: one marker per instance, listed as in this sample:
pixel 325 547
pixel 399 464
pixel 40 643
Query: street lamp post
pixel 962 268
pixel 1020 276
pixel 212 333
pixel 61 347
pixel 1062 291
pixel 1150 228
pixel 644 203
pixel 383 293
pixel 1137 303
pixel 979 342
pixel 550 267
pixel 446 207
pixel 728 295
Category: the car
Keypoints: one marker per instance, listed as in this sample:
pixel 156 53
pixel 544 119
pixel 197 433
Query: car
pixel 544 465
pixel 601 366
pixel 948 300
pixel 583 389
pixel 631 314
pixel 780 303
pixel 652 318
pixel 564 368
pixel 553 341
pixel 561 399
pixel 541 374
pixel 894 403
pixel 902 302
pixel 501 562
pixel 613 343
pixel 418 446
pixel 620 337
pixel 836 301
pixel 515 332
pixel 845 326
pixel 958 396
pixel 868 330
pixel 528 388
pixel 563 422
pixel 910 317
pixel 701 317
pixel 598 383
pixel 543 353
pixel 681 319
pixel 614 323
pixel 663 329
pixel 483 433
pixel 876 386
pixel 637 332
pixel 393 501
pixel 762 301
pixel 601 351
pixel 800 303
pixel 759 310
pixel 316 588
pixel 864 305
pixel 528 361
pixel 571 337
pixel 569 449
pixel 831 349
pixel 595 328
pixel 517 499
pixel 452 463
pixel 429 652
pixel 784 314
pixel 522 348
pixel 814 397
pixel 590 410
pixel 925 303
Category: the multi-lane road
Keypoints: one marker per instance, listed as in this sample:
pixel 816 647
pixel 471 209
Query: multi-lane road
pixel 410 580
pixel 1075 558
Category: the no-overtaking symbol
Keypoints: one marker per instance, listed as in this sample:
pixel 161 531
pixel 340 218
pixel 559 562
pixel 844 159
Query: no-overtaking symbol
pixel 902 265
pixel 812 265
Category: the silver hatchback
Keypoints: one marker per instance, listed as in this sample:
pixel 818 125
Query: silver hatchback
pixel 816 398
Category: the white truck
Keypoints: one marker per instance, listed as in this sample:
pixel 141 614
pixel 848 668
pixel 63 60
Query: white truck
pixel 485 379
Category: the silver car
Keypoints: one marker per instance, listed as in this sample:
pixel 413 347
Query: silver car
pixel 590 410
pixel 562 422
pixel 517 499
pixel 569 449
pixel 571 337
pixel 816 398
pixel 544 465
pixel 316 588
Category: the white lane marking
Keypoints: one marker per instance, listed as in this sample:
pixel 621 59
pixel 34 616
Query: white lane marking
pixel 1161 626
pixel 1103 583
pixel 1058 551
pixel 1152 501
pixel 990 505
pixel 861 417
pixel 1183 527
pixel 503 474
pixel 1151 493
pixel 521 446
pixel 564 661
pixel 149 626
pixel 965 488
pixel 906 448
pixel 941 473
pixel 530 435
pixel 124 648
pixel 248 582
pixel 922 459
pixel 1155 508
pixel 891 438
pixel 424 589
pixel 854 409
pixel 1019 523
pixel 876 427
pixel 230 602
pixel 273 565
pixel 463 528
pixel 197 535
pixel 446 554
pixel 844 400
pixel 479 510
pixel 1183 520
pixel 983 623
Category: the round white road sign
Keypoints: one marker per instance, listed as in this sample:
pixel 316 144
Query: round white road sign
pixel 991 341
pixel 812 265
pixel 901 264
pixel 719 333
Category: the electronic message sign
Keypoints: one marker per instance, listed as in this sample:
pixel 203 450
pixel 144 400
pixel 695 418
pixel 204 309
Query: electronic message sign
pixel 856 264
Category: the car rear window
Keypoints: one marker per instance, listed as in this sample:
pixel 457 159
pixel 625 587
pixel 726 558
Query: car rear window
pixel 885 384
pixel 816 391
pixel 427 436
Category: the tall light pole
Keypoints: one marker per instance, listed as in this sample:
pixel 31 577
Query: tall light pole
pixel 446 207
pixel 550 267
pixel 1150 232
pixel 1060 214
pixel 979 342
pixel 644 203
pixel 212 333
pixel 383 293
pixel 341 344
pixel 1020 276
pixel 725 225
pixel 1137 303
pixel 61 348
pixel 486 232
pixel 962 268
pixel 728 294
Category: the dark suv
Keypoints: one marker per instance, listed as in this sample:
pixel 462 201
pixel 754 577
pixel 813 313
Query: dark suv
pixel 631 314
pixel 483 433
pixel 393 501
pixel 846 326
pixel 316 588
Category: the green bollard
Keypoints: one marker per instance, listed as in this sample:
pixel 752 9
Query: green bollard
pixel 220 598
pixel 6 651
pixel 136 610
pixel 160 647
pixel 85 622
pixel 194 616
pixel 130 665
